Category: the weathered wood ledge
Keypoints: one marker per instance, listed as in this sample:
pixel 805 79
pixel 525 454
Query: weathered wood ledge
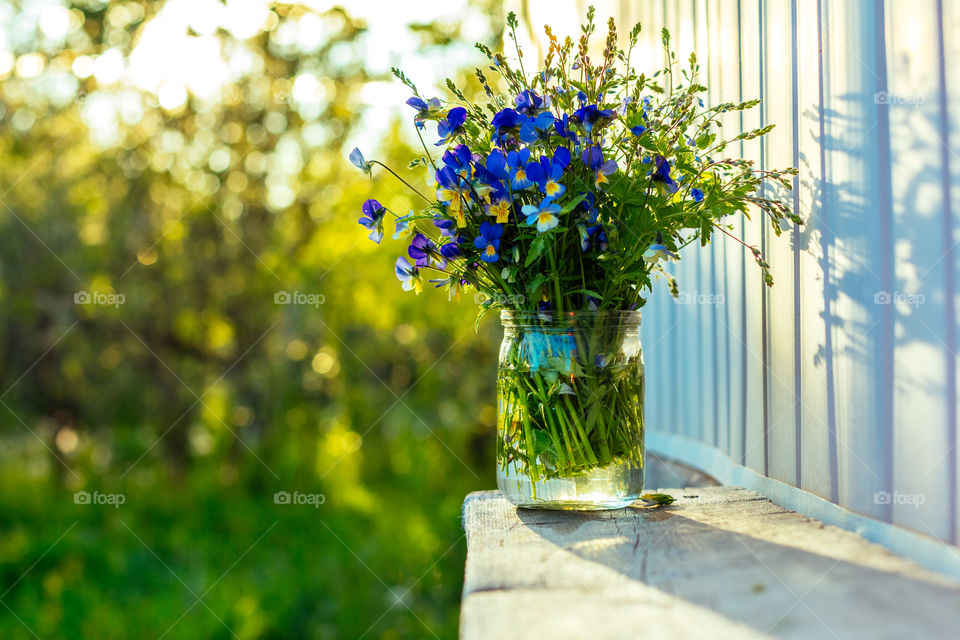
pixel 722 562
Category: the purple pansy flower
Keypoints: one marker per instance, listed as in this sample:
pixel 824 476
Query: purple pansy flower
pixel 451 125
pixel 662 174
pixel 458 159
pixel 590 116
pixel 593 158
pixel 593 236
pixel 424 251
pixel 433 104
pixel 408 275
pixel 372 218
pixel 528 101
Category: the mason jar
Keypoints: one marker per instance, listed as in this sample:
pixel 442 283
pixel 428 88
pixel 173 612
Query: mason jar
pixel 570 409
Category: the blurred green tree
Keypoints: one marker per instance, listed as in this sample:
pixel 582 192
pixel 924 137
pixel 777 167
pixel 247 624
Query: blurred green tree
pixel 195 391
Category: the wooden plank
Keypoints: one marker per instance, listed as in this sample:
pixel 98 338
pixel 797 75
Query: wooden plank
pixel 918 301
pixel 818 427
pixel 721 558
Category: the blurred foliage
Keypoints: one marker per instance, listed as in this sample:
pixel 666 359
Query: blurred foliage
pixel 198 397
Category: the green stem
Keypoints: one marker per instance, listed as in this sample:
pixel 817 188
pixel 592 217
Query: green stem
pixel 409 186
pixel 574 420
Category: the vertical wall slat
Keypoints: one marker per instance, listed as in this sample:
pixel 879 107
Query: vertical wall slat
pixel 679 19
pixel 735 268
pixel 918 299
pixel 856 161
pixel 950 35
pixel 706 282
pixel 861 396
pixel 819 446
pixel 754 444
pixel 778 153
pixel 727 253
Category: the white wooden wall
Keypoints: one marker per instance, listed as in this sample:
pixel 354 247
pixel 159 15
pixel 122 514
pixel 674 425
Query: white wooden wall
pixel 819 382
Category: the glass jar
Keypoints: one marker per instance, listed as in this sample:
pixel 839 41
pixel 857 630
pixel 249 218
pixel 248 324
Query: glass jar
pixel 570 409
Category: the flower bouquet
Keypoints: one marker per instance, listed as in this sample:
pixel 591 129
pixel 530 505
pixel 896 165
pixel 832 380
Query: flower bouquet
pixel 560 200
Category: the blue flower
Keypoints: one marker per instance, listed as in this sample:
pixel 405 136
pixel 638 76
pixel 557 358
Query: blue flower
pixel 372 218
pixel 657 252
pixel 539 128
pixel 588 205
pixel 593 158
pixel 454 193
pixel 590 116
pixel 408 275
pixel 489 241
pixel 517 163
pixel 662 174
pixel 591 236
pixel 424 251
pixel 433 104
pixel 451 125
pixel 448 228
pixel 638 130
pixel 543 215
pixel 505 119
pixel 451 250
pixel 496 164
pixel 357 159
pixel 454 286
pixel 562 127
pixel 500 204
pixel 697 194
pixel 547 173
pixel 404 227
pixel 528 101
pixel 459 160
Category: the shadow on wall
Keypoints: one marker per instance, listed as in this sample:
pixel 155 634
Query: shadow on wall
pixel 876 229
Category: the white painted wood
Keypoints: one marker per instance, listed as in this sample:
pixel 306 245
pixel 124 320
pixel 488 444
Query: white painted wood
pixel 856 144
pixel 754 446
pixel 777 108
pixel 876 385
pixel 722 562
pixel 727 264
pixel 818 438
pixel 734 267
pixel 922 259
pixel 950 42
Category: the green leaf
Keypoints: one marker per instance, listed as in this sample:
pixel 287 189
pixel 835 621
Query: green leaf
pixel 570 204
pixel 658 499
pixel 539 243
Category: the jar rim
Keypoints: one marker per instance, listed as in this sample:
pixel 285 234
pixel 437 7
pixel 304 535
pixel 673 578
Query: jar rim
pixel 622 318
